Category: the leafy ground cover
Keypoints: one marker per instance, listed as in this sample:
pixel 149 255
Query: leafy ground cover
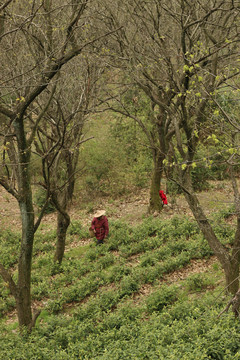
pixel 152 291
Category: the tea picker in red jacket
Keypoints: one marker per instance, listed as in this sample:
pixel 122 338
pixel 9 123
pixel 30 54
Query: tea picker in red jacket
pixel 163 197
pixel 100 226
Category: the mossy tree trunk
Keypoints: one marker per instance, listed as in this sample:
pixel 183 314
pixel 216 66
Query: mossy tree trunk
pixel 23 288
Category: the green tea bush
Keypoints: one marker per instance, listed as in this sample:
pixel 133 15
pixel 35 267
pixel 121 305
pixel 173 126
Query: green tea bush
pixel 201 249
pixel 9 245
pixel 119 232
pixel 130 312
pixel 44 243
pixel 54 306
pixel 197 282
pixel 107 300
pixel 82 288
pixel 163 253
pixel 225 233
pixel 105 261
pixel 173 327
pixel 132 249
pixel 117 272
pixel 91 254
pixel 87 311
pixel 150 274
pixel 176 262
pixel 76 228
pixel 112 245
pixel 108 319
pixel 225 213
pixel 147 260
pixel 181 310
pixel 40 290
pixel 179 227
pixel 129 285
pixel 161 298
pixel 149 227
pixel 113 321
pixel 7 302
pixel 177 246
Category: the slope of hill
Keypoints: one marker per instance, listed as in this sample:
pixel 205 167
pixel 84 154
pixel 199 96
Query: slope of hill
pixel 152 291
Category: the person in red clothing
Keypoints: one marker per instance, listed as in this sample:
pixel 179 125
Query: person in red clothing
pixel 163 197
pixel 100 226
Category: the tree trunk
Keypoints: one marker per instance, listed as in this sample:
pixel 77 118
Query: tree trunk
pixel 61 200
pixel 155 203
pixel 23 293
pixel 232 276
pixel 63 222
pixel 229 263
pixel 23 300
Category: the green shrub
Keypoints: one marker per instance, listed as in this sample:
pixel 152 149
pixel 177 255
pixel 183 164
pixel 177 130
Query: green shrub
pixel 147 260
pixel 197 282
pixel 10 245
pixel 76 228
pixel 91 254
pixel 105 261
pixel 117 272
pixel 200 177
pixel 119 234
pixel 161 298
pixel 107 300
pixel 128 286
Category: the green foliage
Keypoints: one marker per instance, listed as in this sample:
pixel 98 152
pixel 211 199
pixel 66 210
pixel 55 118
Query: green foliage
pixel 197 282
pixel 105 173
pixel 129 285
pixel 9 243
pixel 161 298
pixel 225 213
pixel 130 137
pixel 200 176
pixel 98 289
pixel 76 228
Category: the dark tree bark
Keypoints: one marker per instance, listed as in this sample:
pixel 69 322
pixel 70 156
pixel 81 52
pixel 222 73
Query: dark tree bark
pixel 63 222
pixel 155 203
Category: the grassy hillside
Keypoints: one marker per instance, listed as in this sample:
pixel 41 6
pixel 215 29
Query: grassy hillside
pixel 152 291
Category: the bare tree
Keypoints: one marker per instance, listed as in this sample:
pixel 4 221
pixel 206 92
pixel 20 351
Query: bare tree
pixel 37 39
pixel 166 49
pixel 181 55
pixel 61 135
pixel 210 68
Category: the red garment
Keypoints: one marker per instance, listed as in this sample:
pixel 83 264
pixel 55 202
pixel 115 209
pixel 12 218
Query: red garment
pixel 100 225
pixel 163 197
